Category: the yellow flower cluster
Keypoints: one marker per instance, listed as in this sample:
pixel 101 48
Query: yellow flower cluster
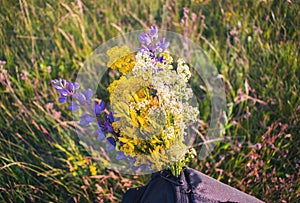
pixel 80 164
pixel 152 143
pixel 93 169
pixel 76 162
pixel 111 88
pixel 121 59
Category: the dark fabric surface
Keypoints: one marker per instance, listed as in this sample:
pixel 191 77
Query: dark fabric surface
pixel 191 187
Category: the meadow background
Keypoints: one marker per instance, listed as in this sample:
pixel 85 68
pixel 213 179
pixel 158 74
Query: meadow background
pixel 254 44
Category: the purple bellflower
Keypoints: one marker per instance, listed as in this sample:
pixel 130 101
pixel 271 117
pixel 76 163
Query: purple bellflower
pixel 149 44
pixel 65 89
pixel 73 106
pixel 120 156
pixel 162 45
pixel 145 38
pixel 99 108
pixel 86 119
pixel 111 143
pixel 85 97
pixel 100 134
pixel 154 32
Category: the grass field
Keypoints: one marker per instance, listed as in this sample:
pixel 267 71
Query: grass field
pixel 254 44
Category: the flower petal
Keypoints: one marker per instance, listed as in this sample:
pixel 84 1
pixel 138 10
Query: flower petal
pixel 99 108
pixel 62 99
pixel 63 92
pixel 86 119
pixel 154 32
pixel 80 97
pixel 76 85
pixel 70 86
pixel 120 156
pixel 88 95
pixel 73 106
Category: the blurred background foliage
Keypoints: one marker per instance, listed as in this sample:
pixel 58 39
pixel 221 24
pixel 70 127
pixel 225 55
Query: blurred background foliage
pixel 254 44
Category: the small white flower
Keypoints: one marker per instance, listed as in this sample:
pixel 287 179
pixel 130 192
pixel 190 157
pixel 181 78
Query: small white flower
pixel 143 104
pixel 170 132
pixel 184 72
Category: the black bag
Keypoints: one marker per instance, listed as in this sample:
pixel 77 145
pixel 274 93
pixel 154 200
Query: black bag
pixel 191 187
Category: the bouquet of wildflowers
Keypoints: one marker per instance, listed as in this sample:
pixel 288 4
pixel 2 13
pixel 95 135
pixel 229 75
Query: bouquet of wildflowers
pixel 149 111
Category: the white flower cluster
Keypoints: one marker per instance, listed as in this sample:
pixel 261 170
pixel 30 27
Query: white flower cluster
pixel 144 65
pixel 171 89
pixel 170 132
pixel 138 106
pixel 183 70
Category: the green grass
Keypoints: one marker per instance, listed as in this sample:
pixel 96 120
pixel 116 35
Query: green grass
pixel 254 45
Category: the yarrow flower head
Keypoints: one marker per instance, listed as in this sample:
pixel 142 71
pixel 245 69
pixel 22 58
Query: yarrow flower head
pixel 150 110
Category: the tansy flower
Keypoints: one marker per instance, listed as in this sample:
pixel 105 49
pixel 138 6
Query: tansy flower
pixel 115 53
pixel 93 169
pixel 121 59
